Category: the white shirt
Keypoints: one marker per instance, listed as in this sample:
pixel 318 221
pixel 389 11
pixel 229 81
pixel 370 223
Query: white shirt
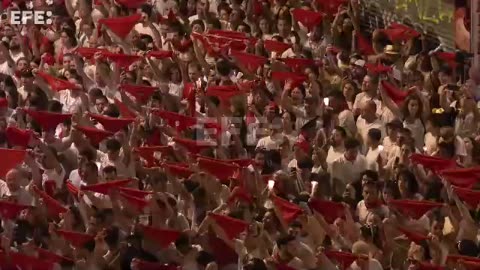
pixel 363 212
pixel 347 121
pixel 52 174
pixel 362 97
pixel 122 169
pixel 347 171
pixel 372 157
pixel 270 143
pixel 70 104
pixel 22 195
pixel 332 155
pixel 364 127
pixel 6 69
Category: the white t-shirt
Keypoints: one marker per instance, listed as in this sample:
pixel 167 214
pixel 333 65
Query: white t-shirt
pixel 364 127
pixel 332 155
pixel 347 171
pixel 52 174
pixel 270 143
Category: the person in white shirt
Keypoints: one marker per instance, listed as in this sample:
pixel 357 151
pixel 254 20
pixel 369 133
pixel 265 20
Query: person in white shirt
pixel 337 146
pixel 348 167
pixel 343 116
pixel 275 139
pixel 12 189
pixel 375 149
pixel 369 93
pixel 368 120
pixel 362 250
pixel 119 156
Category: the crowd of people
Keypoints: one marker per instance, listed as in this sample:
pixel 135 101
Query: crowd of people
pixel 240 134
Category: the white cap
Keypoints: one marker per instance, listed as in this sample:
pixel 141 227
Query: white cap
pixel 360 63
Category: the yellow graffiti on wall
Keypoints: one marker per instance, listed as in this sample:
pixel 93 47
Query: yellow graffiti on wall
pixel 433 11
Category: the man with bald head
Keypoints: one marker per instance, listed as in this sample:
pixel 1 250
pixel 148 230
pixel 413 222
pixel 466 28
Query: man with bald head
pixel 368 119
pixel 13 188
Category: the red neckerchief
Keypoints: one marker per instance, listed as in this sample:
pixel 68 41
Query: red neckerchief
pixel 351 160
pixel 373 205
pixel 276 258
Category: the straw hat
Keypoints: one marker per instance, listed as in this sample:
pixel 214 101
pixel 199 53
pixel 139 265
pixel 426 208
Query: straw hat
pixel 390 49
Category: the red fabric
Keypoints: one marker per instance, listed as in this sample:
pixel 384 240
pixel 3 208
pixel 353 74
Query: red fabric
pixel 123 60
pixel 378 68
pixel 10 210
pixel 75 238
pixel 456 258
pixel 131 3
pixel 147 153
pixel 189 95
pixel 397 95
pixel 414 209
pixel 9 159
pixel 398 32
pixel 53 206
pixel 224 92
pixel 342 259
pixel 330 211
pixel 462 177
pixel 72 189
pixel 29 262
pixel 178 121
pixel 138 203
pixel 52 257
pixel 288 210
pixel 409 32
pixel 298 64
pixel 240 162
pixel 141 93
pixel 240 194
pixel 174 169
pixel 144 265
pixel 135 192
pixel 163 237
pixel 3 103
pixel 448 57
pixel 296 79
pixel 88 53
pixel 471 265
pixel 160 54
pixel 429 266
pixel 276 46
pixel 432 163
pixel 55 83
pixel 111 124
pixel 120 26
pixel 125 112
pixel 171 18
pixel 192 146
pixel 104 188
pixel 231 226
pixel 303 144
pixel 95 135
pixel 227 34
pixel 18 137
pixel 223 253
pixel 50 187
pixel 330 7
pixel 250 62
pixel 413 236
pixel 471 197
pixel 48 120
pixel 307 18
pixel 364 45
pixel 221 170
